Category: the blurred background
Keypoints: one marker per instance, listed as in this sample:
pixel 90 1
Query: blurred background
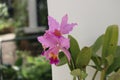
pixel 21 21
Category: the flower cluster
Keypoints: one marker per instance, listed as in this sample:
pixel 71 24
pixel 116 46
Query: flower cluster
pixel 54 41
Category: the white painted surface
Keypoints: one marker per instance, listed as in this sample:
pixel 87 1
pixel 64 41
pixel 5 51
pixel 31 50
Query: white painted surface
pixel 32 13
pixel 92 16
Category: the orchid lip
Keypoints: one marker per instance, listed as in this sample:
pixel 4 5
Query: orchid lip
pixel 57 32
pixel 53 58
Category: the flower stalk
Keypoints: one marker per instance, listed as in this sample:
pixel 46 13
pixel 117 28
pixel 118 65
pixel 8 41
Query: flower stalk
pixel 93 78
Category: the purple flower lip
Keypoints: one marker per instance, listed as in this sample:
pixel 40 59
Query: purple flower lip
pixel 53 59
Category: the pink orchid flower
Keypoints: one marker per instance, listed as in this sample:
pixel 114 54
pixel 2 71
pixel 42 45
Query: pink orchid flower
pixel 54 45
pixel 60 29
pixel 53 40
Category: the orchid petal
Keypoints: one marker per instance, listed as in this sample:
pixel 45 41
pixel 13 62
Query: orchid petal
pixel 64 42
pixel 66 28
pixel 53 24
pixel 48 40
pixel 54 50
pixel 42 40
pixel 67 53
pixel 52 55
pixel 64 20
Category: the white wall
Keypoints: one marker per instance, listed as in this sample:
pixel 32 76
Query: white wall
pixel 92 16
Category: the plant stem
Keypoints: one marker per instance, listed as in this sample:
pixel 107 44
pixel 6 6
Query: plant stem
pixel 78 78
pixel 95 75
pixel 102 75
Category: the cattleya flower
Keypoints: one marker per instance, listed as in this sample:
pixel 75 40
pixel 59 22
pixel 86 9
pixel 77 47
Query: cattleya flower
pixel 54 45
pixel 54 41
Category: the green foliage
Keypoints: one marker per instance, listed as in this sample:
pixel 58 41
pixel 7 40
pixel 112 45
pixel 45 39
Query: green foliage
pixel 19 62
pixel 110 43
pixel 95 57
pixel 9 72
pixel 83 57
pixel 79 73
pixel 21 13
pixel 36 69
pixel 115 76
pixel 63 59
pixel 27 67
pixel 97 45
pixel 116 64
pixel 74 48
pixel 98 62
pixel 5 24
pixel 3 10
pixel 110 59
pixel 105 53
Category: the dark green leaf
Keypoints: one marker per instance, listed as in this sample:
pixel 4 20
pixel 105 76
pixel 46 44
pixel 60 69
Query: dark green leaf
pixel 95 67
pixel 96 46
pixel 98 62
pixel 116 64
pixel 74 50
pixel 74 47
pixel 19 62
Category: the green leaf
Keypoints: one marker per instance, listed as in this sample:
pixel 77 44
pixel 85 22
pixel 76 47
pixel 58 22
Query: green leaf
pixel 110 41
pixel 98 62
pixel 83 58
pixel 74 50
pixel 116 64
pixel 30 59
pixel 74 78
pixel 19 62
pixel 78 72
pixel 24 72
pixel 96 46
pixel 117 54
pixel 95 67
pixel 74 47
pixel 110 59
pixel 115 76
pixel 62 58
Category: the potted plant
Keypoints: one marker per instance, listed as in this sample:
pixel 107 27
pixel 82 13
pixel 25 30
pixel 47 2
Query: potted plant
pixel 60 50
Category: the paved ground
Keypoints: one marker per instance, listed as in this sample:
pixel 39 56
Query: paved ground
pixel 8 48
